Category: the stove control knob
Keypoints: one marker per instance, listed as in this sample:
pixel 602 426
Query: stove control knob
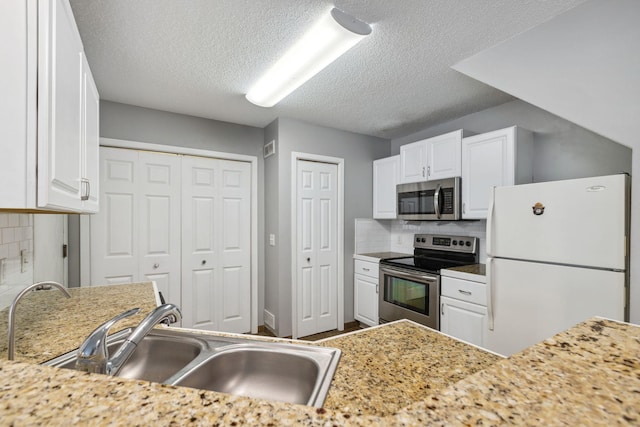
pixel 468 243
pixel 423 240
pixel 418 239
pixel 455 243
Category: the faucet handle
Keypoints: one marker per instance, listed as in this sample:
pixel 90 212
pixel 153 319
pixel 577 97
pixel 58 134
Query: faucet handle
pixel 92 354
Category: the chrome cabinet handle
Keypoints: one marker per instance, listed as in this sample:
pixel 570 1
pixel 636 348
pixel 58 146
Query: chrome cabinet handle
pixel 464 208
pixel 156 265
pixel 87 187
pixel 442 309
pixel 464 292
pixel 366 269
pixel 428 170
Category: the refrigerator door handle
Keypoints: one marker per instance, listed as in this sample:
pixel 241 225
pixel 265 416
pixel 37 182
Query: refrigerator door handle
pixel 490 221
pixel 489 292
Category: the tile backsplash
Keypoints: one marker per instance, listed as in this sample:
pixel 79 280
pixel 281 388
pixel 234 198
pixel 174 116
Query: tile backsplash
pixel 397 236
pixel 16 259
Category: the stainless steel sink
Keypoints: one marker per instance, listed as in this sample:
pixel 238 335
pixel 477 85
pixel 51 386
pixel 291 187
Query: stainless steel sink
pixel 286 372
pixel 158 357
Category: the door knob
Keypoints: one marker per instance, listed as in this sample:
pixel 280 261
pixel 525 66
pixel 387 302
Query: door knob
pixel 308 259
pixel 204 261
pixel 156 265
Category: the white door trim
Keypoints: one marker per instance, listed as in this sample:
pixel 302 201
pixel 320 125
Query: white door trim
pixel 339 162
pixel 85 266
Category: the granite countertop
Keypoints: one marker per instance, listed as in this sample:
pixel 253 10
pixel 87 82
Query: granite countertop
pixel 49 324
pixel 589 374
pixel 474 272
pixel 377 256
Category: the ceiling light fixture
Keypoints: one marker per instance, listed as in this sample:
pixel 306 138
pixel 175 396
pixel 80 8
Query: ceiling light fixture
pixel 333 35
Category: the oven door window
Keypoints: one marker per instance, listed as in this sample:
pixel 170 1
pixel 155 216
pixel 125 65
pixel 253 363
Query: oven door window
pixel 416 203
pixel 407 293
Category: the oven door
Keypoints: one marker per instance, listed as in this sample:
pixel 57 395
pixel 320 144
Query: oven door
pixel 408 294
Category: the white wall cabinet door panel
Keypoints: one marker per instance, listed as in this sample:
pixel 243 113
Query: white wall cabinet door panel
pixel 317 262
pixel 413 162
pixel 47 118
pixel 498 158
pixel 90 141
pixel 159 187
pixel 60 86
pixel 114 231
pixel 386 175
pixel 443 155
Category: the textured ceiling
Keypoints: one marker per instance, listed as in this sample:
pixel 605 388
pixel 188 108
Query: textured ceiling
pixel 200 57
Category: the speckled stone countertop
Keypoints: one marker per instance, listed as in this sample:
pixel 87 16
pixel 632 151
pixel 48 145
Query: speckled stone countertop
pixel 377 256
pixel 473 272
pixel 587 375
pixel 49 324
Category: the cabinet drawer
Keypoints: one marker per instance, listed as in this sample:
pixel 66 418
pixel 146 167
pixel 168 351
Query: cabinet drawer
pixel 464 290
pixel 365 267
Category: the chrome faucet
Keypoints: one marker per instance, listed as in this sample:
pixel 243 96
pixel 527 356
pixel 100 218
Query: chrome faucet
pixel 93 355
pixel 40 286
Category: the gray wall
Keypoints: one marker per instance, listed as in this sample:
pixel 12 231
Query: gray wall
pixel 128 122
pixel 562 149
pixel 358 152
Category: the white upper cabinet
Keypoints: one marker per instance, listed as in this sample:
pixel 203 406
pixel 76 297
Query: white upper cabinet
pixel 431 158
pixel 386 175
pixel 51 149
pixel 443 155
pixel 501 157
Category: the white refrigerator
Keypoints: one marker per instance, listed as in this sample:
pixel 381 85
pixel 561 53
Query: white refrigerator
pixel 557 254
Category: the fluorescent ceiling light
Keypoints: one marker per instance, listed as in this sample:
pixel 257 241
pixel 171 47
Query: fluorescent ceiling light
pixel 333 35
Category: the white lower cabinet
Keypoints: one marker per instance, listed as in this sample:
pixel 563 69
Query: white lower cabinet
pixel 463 310
pixel 365 288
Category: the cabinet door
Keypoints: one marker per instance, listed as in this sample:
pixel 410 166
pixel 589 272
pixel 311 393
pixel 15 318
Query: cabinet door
pixel 59 108
pixel 463 320
pixel 487 161
pixel 90 141
pixel 386 175
pixel 365 299
pixel 443 155
pixel 413 162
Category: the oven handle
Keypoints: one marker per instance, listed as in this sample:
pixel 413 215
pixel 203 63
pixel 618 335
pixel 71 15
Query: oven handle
pixel 436 201
pixel 411 276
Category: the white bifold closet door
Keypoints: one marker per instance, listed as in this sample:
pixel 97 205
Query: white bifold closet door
pixel 183 222
pixel 216 244
pixel 136 235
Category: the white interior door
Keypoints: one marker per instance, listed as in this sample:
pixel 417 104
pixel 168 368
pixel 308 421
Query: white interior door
pixel 114 230
pixel 316 257
pixel 159 182
pixel 199 242
pixel 216 241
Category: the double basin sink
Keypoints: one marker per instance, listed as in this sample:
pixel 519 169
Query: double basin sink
pixel 285 372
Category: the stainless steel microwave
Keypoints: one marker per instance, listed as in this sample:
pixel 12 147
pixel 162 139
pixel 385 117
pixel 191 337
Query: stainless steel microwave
pixel 437 200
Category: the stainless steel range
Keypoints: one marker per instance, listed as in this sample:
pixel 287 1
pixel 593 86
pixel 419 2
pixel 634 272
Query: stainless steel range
pixel 410 286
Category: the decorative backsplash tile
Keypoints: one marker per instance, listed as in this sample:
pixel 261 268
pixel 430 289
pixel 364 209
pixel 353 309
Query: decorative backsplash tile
pixel 16 255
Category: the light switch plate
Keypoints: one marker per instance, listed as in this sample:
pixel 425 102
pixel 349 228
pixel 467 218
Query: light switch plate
pixel 272 239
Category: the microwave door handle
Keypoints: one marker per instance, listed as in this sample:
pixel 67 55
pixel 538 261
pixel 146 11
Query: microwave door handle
pixel 436 201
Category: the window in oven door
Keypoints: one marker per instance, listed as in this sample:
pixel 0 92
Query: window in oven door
pixel 407 293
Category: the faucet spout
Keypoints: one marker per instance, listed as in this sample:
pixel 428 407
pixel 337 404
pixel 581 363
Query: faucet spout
pixel 93 355
pixel 40 286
